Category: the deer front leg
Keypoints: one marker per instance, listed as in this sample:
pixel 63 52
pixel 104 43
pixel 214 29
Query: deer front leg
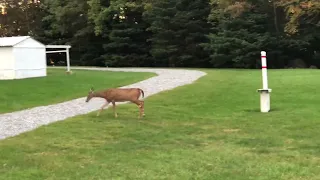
pixel 114 109
pixel 103 106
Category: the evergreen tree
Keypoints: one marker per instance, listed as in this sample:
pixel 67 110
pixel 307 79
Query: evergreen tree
pixel 164 40
pixel 178 27
pixel 242 30
pixel 121 22
pixel 191 18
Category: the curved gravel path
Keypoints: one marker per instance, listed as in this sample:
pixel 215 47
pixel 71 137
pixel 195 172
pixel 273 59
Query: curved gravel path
pixel 14 123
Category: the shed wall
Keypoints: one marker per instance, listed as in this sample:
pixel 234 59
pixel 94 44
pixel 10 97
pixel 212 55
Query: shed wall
pixel 6 58
pixel 6 63
pixel 30 62
pixel 27 58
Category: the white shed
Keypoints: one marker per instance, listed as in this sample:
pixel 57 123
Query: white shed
pixel 22 57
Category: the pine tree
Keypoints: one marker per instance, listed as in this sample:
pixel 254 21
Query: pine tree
pixel 178 27
pixel 128 44
pixel 121 23
pixel 192 18
pixel 164 40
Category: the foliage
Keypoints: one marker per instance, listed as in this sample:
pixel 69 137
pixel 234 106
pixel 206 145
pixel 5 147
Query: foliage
pixel 240 30
pixel 172 33
pixel 69 24
pixel 300 12
pixel 178 27
pixel 125 29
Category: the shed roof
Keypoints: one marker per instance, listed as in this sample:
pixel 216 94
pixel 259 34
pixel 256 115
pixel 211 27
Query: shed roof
pixel 11 41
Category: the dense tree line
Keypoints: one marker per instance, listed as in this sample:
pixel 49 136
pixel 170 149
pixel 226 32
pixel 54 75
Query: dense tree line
pixel 172 33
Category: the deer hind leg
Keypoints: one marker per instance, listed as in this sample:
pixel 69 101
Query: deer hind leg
pixel 114 109
pixel 142 108
pixel 103 106
pixel 140 104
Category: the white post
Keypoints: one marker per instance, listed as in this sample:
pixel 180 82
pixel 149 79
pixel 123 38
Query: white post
pixel 264 70
pixel 68 60
pixel 265 91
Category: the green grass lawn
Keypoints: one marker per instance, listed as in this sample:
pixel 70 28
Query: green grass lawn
pixel 58 87
pixel 211 129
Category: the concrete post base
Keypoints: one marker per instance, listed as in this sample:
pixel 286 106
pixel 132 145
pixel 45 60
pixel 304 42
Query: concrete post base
pixel 264 100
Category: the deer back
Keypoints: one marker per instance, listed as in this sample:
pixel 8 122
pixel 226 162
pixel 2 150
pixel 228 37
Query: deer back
pixel 122 94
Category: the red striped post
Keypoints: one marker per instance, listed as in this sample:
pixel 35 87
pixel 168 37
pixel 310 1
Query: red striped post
pixel 264 69
pixel 265 91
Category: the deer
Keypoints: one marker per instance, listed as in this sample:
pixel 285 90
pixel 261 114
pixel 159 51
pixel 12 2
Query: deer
pixel 114 95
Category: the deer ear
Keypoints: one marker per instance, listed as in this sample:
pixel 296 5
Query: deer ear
pixel 91 89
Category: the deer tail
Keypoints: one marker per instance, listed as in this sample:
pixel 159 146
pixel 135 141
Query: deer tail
pixel 142 93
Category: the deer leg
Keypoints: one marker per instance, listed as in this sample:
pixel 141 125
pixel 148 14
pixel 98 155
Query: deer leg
pixel 140 104
pixel 142 107
pixel 103 106
pixel 114 109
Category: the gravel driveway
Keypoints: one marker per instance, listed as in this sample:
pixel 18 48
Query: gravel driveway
pixel 14 123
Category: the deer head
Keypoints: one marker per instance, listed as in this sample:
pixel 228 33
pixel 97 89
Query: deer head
pixel 90 95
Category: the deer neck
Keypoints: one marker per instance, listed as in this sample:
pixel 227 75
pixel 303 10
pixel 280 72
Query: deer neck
pixel 98 94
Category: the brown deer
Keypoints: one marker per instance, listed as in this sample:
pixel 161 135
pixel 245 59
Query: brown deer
pixel 114 95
